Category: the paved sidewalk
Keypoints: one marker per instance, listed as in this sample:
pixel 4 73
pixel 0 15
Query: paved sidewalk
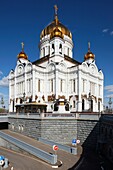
pixel 68 160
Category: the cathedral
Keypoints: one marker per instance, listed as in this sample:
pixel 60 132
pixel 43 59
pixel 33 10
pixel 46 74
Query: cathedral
pixel 56 82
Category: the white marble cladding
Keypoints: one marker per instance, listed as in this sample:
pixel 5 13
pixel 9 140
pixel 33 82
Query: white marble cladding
pixel 57 75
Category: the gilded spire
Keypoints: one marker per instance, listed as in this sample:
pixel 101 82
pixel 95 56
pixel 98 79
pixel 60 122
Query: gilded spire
pixel 56 16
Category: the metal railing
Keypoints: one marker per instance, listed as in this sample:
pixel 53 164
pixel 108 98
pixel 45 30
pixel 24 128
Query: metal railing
pixel 66 148
pixel 52 159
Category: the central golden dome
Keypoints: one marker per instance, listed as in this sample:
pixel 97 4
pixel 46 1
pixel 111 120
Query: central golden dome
pixel 55 28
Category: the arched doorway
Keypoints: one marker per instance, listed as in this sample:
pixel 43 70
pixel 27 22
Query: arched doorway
pixel 99 106
pixel 83 104
pixel 13 105
pixel 91 105
pixel 20 101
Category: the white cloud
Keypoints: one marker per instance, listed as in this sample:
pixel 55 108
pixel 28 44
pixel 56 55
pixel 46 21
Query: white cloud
pixel 4 82
pixel 105 30
pixel 1 73
pixel 111 33
pixel 109 95
pixel 108 92
pixel 109 88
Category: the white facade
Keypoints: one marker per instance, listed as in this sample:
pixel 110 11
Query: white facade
pixel 56 75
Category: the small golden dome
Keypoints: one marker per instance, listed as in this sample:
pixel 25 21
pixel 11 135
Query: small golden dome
pixel 55 25
pixel 89 54
pixel 22 54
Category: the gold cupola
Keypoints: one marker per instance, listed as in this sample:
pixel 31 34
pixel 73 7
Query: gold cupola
pixel 55 28
pixel 89 54
pixel 22 54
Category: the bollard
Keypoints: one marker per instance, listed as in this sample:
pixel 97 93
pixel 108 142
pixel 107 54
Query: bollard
pixel 6 163
pixel 73 150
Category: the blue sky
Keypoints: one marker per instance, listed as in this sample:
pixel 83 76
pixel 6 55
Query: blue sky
pixel 23 21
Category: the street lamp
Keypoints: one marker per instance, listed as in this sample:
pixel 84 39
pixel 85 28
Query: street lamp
pixel 2 102
pixel 110 103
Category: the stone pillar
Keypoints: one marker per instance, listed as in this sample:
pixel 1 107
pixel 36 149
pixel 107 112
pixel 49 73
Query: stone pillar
pixel 56 83
pixel 33 84
pixel 79 90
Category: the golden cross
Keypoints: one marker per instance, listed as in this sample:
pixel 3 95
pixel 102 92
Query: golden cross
pixel 56 9
pixel 22 46
pixel 88 46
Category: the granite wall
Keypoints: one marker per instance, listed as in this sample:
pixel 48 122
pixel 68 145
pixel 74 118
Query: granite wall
pixel 61 130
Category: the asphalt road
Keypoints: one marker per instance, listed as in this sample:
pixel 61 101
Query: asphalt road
pixel 22 162
pixel 68 160
pixel 89 160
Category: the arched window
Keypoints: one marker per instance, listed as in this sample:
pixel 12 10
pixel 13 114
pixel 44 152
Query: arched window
pixel 74 104
pixel 19 127
pixel 74 86
pixel 12 126
pixel 51 85
pixel 48 49
pixel 53 49
pixel 99 106
pixel 60 48
pixel 68 52
pixel 61 85
pixel 38 85
pixel 22 128
pixel 43 52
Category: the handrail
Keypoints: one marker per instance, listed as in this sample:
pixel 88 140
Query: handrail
pixel 50 158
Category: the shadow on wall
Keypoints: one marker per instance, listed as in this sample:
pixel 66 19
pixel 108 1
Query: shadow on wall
pixel 88 132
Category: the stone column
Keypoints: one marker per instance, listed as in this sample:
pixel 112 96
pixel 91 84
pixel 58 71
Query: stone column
pixel 56 83
pixel 79 90
pixel 33 84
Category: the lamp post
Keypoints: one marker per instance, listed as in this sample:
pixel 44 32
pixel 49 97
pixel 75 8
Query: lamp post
pixel 110 103
pixel 2 101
